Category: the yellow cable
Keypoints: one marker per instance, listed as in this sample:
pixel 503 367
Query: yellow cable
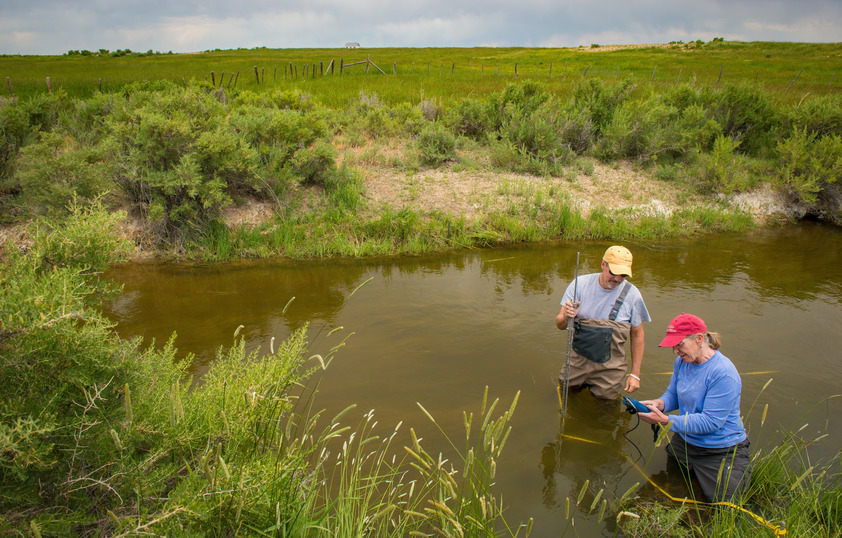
pixel 775 528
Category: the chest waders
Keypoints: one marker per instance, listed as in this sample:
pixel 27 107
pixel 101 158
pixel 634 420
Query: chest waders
pixel 598 359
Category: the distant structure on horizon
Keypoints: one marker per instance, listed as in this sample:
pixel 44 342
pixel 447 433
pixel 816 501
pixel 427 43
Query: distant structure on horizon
pixel 352 45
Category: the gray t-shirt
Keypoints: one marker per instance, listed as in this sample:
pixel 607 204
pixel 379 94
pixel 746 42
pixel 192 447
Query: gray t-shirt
pixel 597 302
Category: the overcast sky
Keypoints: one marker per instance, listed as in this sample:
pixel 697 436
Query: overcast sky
pixel 56 26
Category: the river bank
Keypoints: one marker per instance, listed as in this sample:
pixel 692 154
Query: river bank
pixel 478 195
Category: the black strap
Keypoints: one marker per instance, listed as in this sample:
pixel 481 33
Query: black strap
pixel 619 302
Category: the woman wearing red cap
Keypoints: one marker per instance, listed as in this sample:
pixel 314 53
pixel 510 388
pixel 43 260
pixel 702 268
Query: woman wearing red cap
pixel 705 389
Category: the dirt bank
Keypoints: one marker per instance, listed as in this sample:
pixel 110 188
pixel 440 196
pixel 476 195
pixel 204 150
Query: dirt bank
pixel 478 193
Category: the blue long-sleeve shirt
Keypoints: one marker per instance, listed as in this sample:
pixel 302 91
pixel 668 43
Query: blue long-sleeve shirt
pixel 707 397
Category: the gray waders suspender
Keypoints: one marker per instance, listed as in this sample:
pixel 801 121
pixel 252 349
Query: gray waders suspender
pixel 619 302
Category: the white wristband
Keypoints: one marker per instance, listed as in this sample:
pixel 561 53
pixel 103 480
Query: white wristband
pixel 634 376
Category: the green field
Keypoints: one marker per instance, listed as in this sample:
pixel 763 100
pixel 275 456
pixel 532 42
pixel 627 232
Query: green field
pixel 790 70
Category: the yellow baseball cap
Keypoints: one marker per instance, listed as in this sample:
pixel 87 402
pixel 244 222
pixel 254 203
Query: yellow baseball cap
pixel 619 260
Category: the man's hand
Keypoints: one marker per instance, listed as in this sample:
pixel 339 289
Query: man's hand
pixel 569 310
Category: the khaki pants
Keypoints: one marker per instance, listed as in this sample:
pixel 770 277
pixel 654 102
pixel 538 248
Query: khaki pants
pixel 604 379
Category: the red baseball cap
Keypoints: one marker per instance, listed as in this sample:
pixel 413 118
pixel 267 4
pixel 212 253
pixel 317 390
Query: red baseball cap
pixel 681 327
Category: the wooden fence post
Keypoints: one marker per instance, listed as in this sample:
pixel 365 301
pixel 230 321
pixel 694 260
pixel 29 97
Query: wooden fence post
pixel 99 85
pixel 256 74
pixel 222 79
pixel 585 72
pixel 49 85
pixel 720 73
pixel 213 79
pixel 796 77
pixel 515 69
pixel 262 78
pixel 653 73
pixel 452 68
pixel 551 70
pixel 679 74
pixel 274 74
pixel 395 68
pixel 9 84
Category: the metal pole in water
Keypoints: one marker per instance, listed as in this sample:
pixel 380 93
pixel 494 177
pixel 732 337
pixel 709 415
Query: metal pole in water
pixel 566 383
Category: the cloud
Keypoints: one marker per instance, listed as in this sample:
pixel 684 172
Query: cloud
pixel 55 26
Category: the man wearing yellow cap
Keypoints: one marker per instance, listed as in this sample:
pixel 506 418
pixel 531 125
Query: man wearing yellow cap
pixel 607 312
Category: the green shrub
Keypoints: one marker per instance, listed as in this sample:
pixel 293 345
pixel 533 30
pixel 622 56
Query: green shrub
pixel 724 169
pixel 410 117
pixel 55 169
pixel 819 116
pixel 649 129
pixel 469 118
pixel 532 142
pixel 746 114
pixel 810 167
pixel 436 145
pixel 46 110
pixel 15 131
pixel 600 101
pixel 683 96
pixel 638 129
pixel 277 136
pixel 315 164
pixel 178 160
pixel 59 361
pixel 516 100
pixel 87 121
pixel 576 129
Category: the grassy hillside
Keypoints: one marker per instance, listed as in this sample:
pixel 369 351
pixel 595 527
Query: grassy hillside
pixel 789 70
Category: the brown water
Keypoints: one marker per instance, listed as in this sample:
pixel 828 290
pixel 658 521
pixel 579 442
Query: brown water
pixel 438 329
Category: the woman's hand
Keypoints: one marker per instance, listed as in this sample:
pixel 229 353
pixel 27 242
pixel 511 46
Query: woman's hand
pixel 657 404
pixel 656 416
